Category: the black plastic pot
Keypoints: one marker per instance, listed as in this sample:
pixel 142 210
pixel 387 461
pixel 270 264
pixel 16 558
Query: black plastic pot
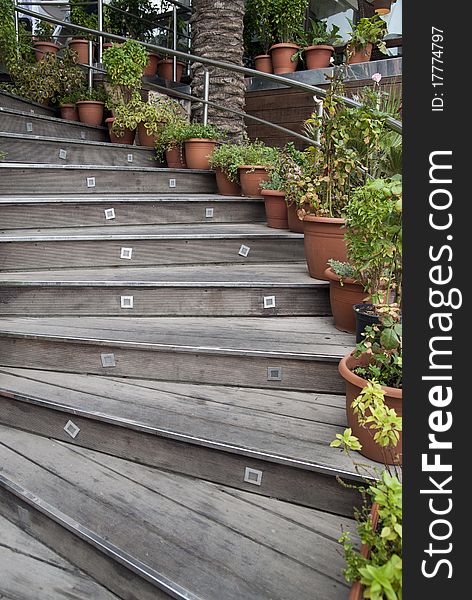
pixel 363 319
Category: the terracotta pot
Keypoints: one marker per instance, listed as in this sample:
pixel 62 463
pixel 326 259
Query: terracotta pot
pixel 41 48
pixel 276 209
pixel 382 7
pixel 107 45
pixel 281 55
pixel 144 138
pixel 126 138
pixel 225 186
pixel 393 399
pixel 197 152
pixel 251 177
pixel 69 112
pixel 175 158
pixel 165 68
pixel 263 63
pixel 357 589
pixel 294 223
pixel 343 298
pixel 324 239
pixel 81 48
pixel 151 67
pixel 318 57
pixel 90 112
pixel 361 55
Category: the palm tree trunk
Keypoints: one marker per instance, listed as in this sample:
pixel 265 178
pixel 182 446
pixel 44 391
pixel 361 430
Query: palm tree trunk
pixel 217 32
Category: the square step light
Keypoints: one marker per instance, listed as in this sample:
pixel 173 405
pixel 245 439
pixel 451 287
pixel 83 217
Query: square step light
pixel 90 182
pixel 172 183
pixel 109 214
pixel 274 373
pixel 126 253
pixel 62 154
pixel 107 360
pixel 244 250
pixel 209 213
pixel 71 429
pixel 126 301
pixel 269 301
pixel 29 127
pixel 253 476
pixel 130 158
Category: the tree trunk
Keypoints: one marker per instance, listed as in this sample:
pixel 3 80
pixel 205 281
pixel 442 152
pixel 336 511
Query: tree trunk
pixel 217 32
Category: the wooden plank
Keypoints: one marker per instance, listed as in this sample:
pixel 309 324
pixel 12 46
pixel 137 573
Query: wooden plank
pixel 8 100
pixel 31 571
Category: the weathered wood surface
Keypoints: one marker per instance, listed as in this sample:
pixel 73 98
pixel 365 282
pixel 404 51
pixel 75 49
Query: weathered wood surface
pixel 8 100
pixel 31 571
pixel 215 542
pixel 132 209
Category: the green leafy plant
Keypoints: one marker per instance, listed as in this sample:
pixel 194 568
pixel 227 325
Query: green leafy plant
pixel 295 168
pixel 369 30
pixel 97 94
pixel 44 32
pixel 343 269
pixel 374 238
pixel 131 18
pixel 79 16
pixel 201 131
pixel 153 114
pixel 70 97
pixel 287 18
pixel 172 136
pixel 317 35
pixel 124 64
pixel 227 158
pixel 258 32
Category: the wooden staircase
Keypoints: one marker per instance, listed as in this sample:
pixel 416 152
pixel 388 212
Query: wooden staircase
pixel 168 377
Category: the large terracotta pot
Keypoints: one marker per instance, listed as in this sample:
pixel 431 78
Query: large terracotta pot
pixel 198 151
pixel 81 48
pixel 251 177
pixel 175 158
pixel 318 57
pixel 343 296
pixel 324 239
pixel 276 209
pixel 151 68
pixel 294 223
pixel 165 69
pixel 225 186
pixel 144 138
pixel 90 111
pixel 361 55
pixel 263 63
pixel 393 399
pixel 126 138
pixel 69 112
pixel 281 55
pixel 42 48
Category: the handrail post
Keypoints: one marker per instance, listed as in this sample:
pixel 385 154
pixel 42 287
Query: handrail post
pixel 100 28
pixel 90 65
pixel 174 43
pixel 206 94
pixel 17 26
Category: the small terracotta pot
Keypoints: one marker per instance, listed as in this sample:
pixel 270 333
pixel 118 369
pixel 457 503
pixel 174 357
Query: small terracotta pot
pixel 343 297
pixel 42 48
pixel 165 68
pixel 324 239
pixel 144 138
pixel 175 158
pixel 151 67
pixel 69 112
pixel 81 48
pixel 318 57
pixel 263 63
pixel 294 223
pixel 382 7
pixel 90 111
pixel 393 399
pixel 281 55
pixel 361 55
pixel 251 177
pixel 225 186
pixel 197 153
pixel 126 138
pixel 276 209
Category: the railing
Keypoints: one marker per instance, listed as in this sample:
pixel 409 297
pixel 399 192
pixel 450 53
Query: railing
pixel 392 123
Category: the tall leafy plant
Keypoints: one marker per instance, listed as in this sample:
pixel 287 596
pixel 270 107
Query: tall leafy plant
pixel 124 64
pixel 287 18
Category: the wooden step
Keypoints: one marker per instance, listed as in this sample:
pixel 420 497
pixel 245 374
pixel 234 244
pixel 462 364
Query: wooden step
pixel 207 290
pixel 147 245
pixel 300 353
pixel 8 100
pixel 39 149
pixel 32 571
pixel 212 432
pixel 26 212
pixel 149 534
pixel 24 122
pixel 59 179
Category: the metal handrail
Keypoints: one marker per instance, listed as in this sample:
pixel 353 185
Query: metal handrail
pixel 392 123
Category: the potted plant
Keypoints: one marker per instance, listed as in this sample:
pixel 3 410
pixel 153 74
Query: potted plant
pixel 91 106
pixel 294 165
pixel 257 26
pixel 200 141
pixel 80 42
pixel 165 66
pixel 170 143
pixel 344 292
pixel 225 161
pixel 274 200
pixel 43 43
pixel 318 47
pixel 124 64
pixel 374 241
pixel 68 107
pixel 153 115
pixel 286 18
pixel 122 126
pixel 255 161
pixel 367 33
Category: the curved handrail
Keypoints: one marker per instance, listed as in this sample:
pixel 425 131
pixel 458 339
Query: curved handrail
pixel 392 123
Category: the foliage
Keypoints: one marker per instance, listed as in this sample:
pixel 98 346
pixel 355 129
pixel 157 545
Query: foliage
pixel 257 23
pixel 133 18
pixel 44 32
pixel 97 94
pixel 342 269
pixel 294 167
pixel 125 64
pixel 381 349
pixel 275 21
pixel 201 131
pixel 367 30
pixel 227 158
pixel 70 97
pixel 81 17
pixel 153 114
pixel 374 237
pixel 172 135
pixel 11 52
pixel 317 35
pixel 275 181
pixel 3 155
